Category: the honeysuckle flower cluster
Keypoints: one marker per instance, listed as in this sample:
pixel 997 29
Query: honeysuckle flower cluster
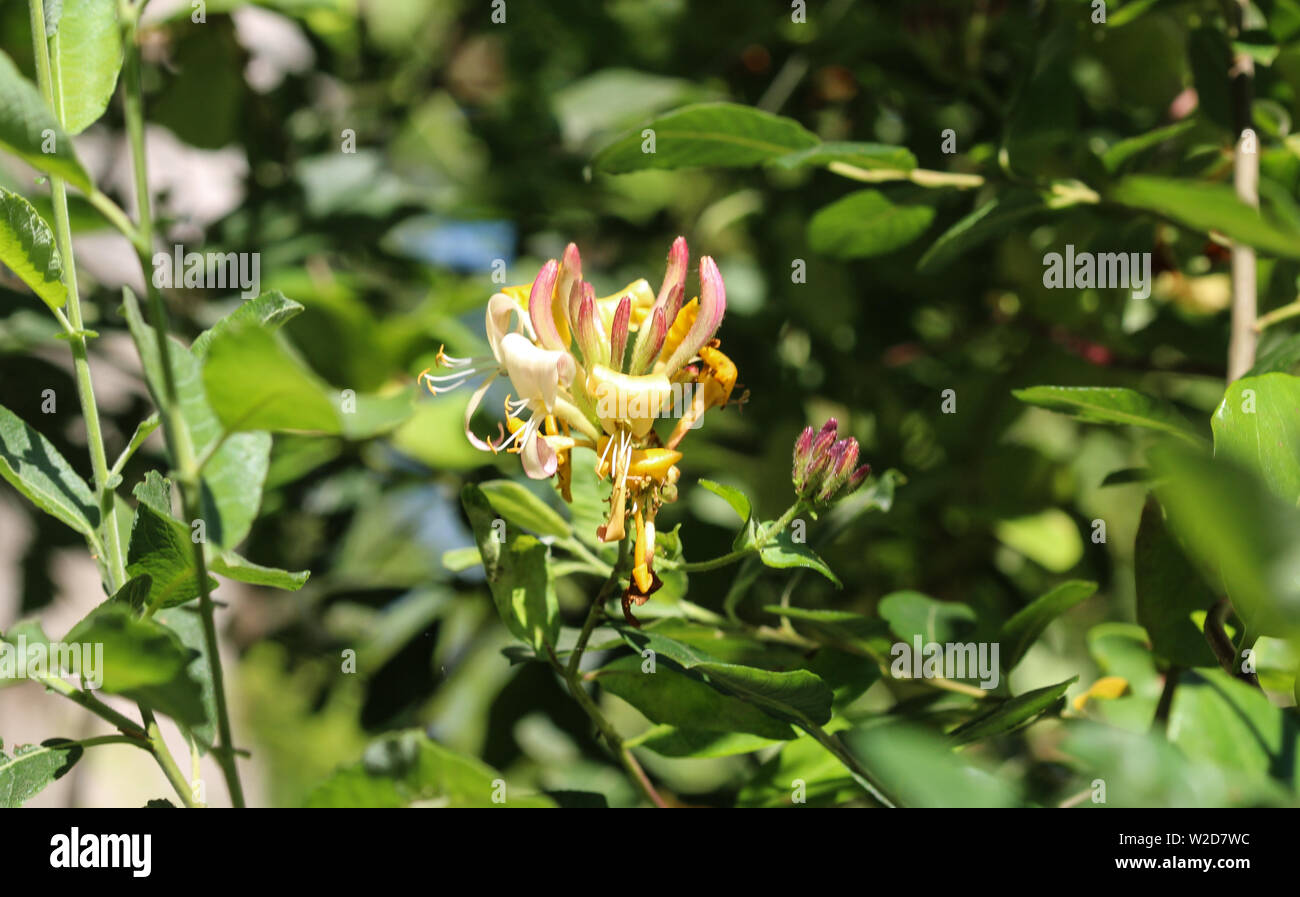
pixel 825 468
pixel 598 372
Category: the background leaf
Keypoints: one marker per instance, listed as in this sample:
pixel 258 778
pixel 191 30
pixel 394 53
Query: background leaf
pixel 718 134
pixel 866 224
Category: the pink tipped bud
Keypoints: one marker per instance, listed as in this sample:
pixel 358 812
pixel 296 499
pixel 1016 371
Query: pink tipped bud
pixel 814 459
pixel 679 260
pixel 589 329
pixel 618 332
pixel 540 310
pixel 569 274
pixel 649 340
pixel 713 305
pixel 674 303
pixel 802 458
pixel 843 456
pixel 856 479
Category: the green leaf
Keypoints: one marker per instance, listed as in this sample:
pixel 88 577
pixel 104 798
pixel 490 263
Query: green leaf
pixel 33 767
pixel 797 696
pixel 825 782
pixel 235 566
pixel 1257 425
pixel 1111 405
pixel 521 507
pixel 860 155
pixel 36 469
pixel 88 56
pixel 734 497
pixel 1238 532
pixel 1220 720
pixel 1123 150
pixel 1169 591
pixel 1011 714
pixel 852 631
pixel 236 466
pixel 1024 628
pixel 667 696
pixel 142 660
pixel 865 224
pixel 366 415
pixel 921 770
pixel 1281 356
pixel 783 553
pixel 518 574
pixel 161 546
pixel 1049 538
pixel 849 674
pixel 706 134
pixel 271 310
pixel 670 741
pixel 1147 770
pixel 134 593
pixel 1207 207
pixel 187 624
pixel 910 614
pixel 27 248
pixel 407 769
pixel 990 220
pixel 253 382
pixel 25 121
pixel 457 560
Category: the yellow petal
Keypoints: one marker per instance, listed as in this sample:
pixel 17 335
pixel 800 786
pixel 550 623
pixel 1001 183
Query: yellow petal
pixel 680 327
pixel 643 299
pixel 1107 688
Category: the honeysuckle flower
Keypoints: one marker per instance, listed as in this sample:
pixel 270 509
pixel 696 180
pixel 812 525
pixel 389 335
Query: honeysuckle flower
pixel 598 372
pixel 825 468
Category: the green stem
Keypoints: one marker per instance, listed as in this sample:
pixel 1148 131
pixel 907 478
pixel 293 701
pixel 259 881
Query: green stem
pixel 179 444
pixel 94 705
pixel 612 738
pixel 765 535
pixel 572 677
pixel 113 739
pixel 48 77
pixel 184 790
pixel 597 610
pixel 920 176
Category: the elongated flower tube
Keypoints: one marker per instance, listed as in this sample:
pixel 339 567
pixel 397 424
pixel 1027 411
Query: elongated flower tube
pixel 570 273
pixel 618 332
pixel 541 308
pixel 679 259
pixel 589 330
pixel 707 316
pixel 649 340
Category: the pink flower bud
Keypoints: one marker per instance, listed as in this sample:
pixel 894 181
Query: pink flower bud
pixel 713 305
pixel 649 340
pixel 618 332
pixel 540 310
pixel 679 258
